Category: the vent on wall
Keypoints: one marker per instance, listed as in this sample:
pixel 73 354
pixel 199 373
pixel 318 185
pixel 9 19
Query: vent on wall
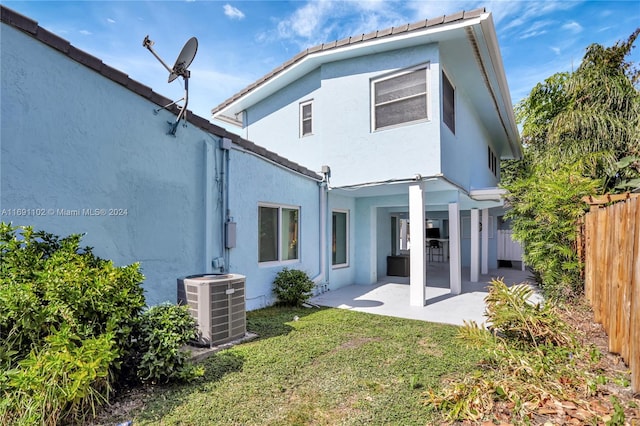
pixel 217 302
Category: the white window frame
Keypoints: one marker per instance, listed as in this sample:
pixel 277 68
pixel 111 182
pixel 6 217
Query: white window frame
pixel 347 230
pixel 445 75
pixel 302 119
pixel 426 67
pixel 279 260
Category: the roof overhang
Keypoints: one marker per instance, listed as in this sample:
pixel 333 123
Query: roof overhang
pixel 478 29
pixel 287 74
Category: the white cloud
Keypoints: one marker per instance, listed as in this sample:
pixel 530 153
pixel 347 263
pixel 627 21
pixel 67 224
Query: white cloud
pixel 526 11
pixel 320 21
pixel 572 26
pixel 233 12
pixel 85 32
pixel 535 29
pixel 530 34
pixel 307 21
pixel 555 50
pixel 111 21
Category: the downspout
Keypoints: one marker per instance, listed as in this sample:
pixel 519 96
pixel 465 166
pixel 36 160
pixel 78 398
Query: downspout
pixel 225 146
pixel 320 280
pixel 210 169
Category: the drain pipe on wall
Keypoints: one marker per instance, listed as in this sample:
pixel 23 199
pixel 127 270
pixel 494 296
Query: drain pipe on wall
pixel 211 173
pixel 321 280
pixel 228 226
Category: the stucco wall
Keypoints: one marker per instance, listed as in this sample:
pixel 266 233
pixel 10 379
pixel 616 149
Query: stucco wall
pixel 342 137
pixel 464 153
pixel 73 140
pixel 253 181
pixel 75 144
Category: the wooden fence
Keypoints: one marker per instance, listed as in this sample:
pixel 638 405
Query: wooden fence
pixel 611 240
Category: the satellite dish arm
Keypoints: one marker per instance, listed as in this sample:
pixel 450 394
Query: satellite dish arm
pixel 148 43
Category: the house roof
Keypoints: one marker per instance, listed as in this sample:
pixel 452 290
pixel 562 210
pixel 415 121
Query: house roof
pixel 31 28
pixel 476 26
pixel 350 41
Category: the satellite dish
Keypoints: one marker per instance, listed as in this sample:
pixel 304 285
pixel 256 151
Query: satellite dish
pixel 184 59
pixel 179 69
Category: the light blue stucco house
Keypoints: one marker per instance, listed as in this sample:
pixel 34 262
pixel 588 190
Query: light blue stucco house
pixel 410 123
pixel 352 155
pixel 83 151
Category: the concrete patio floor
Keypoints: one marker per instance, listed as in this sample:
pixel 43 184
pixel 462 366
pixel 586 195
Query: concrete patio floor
pixel 390 296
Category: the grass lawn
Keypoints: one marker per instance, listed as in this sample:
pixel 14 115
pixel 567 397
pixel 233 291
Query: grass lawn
pixel 329 367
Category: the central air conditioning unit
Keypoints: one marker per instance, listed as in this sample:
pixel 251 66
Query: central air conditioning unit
pixel 217 302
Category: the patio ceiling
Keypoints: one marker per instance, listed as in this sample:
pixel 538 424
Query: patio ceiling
pixel 439 193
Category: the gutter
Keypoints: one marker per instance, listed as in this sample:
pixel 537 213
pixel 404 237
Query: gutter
pixel 320 280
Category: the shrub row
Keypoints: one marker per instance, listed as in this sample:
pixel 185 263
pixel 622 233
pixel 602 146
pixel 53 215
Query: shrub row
pixel 73 326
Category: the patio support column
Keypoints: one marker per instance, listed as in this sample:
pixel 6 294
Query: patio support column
pixel 455 263
pixel 484 269
pixel 475 246
pixel 418 256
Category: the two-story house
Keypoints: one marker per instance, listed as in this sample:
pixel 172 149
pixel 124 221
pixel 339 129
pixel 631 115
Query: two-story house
pixel 412 122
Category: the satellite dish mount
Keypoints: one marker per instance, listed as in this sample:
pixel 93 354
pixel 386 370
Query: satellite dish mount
pixel 180 68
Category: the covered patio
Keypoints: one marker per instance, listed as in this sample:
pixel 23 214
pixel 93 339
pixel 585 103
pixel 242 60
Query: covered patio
pixel 394 221
pixel 390 296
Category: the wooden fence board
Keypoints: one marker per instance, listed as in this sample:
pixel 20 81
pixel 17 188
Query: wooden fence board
pixel 599 250
pixel 612 274
pixel 610 219
pixel 590 251
pixel 626 274
pixel 634 326
pixel 609 315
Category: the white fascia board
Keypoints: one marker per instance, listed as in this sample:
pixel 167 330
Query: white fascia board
pixel 315 59
pixel 487 194
pixel 491 41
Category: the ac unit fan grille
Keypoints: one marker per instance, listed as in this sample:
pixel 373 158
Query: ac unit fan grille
pixel 218 305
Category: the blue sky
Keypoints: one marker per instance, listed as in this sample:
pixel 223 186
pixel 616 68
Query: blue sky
pixel 240 41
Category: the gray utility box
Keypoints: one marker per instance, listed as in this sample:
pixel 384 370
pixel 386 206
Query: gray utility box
pixel 217 302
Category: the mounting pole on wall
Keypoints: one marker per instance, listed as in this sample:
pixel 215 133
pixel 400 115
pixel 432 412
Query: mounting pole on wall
pixel 180 68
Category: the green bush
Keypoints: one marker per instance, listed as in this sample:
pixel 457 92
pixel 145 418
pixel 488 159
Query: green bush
pixel 160 335
pixel 65 322
pixel 546 207
pixel 72 326
pixel 512 314
pixel 292 287
pixel 47 281
pixel 66 378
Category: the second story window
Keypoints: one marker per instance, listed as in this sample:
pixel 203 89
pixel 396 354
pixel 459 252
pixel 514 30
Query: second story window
pixel 400 98
pixel 448 103
pixel 492 161
pixel 306 118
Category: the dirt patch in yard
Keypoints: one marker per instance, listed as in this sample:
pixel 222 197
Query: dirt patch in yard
pixel 355 343
pixel 430 347
pixel 613 403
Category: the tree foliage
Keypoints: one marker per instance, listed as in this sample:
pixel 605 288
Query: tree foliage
pixel 581 136
pixel 589 117
pixel 545 208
